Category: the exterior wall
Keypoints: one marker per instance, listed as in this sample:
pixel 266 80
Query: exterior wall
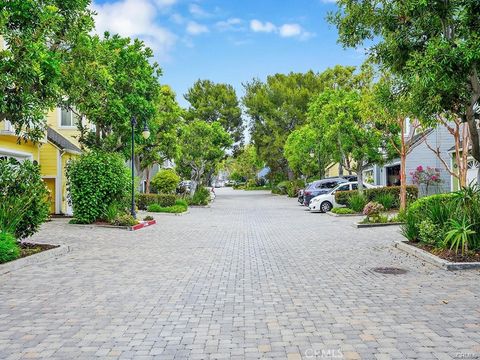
pixel 422 155
pixel 332 170
pixel 65 208
pixel 51 187
pixel 70 132
pixel 48 160
pixel 9 145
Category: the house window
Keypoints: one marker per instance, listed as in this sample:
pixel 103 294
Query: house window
pixel 68 118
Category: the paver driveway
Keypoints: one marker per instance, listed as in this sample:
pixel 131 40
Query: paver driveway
pixel 255 276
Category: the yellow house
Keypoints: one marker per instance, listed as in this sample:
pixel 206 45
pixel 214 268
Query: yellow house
pixel 52 153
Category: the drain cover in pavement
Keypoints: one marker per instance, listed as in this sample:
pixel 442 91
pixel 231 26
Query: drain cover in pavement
pixel 390 270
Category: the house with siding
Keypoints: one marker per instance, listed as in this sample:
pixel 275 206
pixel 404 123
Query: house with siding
pixel 420 155
pixel 59 145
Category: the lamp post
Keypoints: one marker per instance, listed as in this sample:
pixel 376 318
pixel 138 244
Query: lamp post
pixel 146 135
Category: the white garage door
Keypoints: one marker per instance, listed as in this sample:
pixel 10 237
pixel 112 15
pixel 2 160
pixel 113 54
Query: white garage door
pixel 473 166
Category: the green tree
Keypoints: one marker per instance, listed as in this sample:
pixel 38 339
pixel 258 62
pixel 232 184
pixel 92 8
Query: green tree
pixel 108 81
pixel 433 43
pixel 162 144
pixel 38 38
pixel 246 165
pixel 307 152
pixel 202 147
pixel 211 102
pixel 278 106
pixel 338 114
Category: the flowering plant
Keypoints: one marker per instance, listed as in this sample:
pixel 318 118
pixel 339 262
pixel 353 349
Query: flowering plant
pixel 429 176
pixel 373 209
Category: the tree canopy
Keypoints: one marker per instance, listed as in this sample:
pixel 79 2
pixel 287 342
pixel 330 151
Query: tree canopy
pixel 38 38
pixel 213 102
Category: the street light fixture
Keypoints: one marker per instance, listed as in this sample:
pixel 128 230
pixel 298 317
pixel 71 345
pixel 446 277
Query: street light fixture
pixel 146 135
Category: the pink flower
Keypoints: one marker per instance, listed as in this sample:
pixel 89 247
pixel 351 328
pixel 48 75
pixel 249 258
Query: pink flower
pixel 420 168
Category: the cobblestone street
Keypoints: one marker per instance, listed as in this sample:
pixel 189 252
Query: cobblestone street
pixel 253 277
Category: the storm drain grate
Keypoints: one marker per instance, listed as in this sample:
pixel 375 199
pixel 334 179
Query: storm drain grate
pixel 390 270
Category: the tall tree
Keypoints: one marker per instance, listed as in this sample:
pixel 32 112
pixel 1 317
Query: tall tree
pixel 436 43
pixel 246 165
pixel 38 37
pixel 308 152
pixel 202 147
pixel 278 106
pixel 211 102
pixel 108 81
pixel 338 113
pixel 162 145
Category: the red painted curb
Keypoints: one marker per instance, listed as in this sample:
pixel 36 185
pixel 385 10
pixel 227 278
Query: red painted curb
pixel 142 225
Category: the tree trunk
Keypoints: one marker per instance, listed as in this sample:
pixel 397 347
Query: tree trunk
pixel 340 169
pixel 147 180
pixel 360 167
pixel 403 170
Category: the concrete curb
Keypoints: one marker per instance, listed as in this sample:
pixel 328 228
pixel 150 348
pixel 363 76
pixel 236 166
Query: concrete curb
pixel 34 259
pixel 169 214
pixel 435 260
pixel 361 226
pixel 342 215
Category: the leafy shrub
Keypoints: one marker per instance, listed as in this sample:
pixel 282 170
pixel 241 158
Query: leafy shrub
pixel 125 220
pixel 179 207
pixel 251 183
pixel 343 211
pixel 373 210
pixel 111 212
pixel 289 188
pixel 201 197
pixel 410 228
pixel 386 199
pixel 341 197
pixel 9 249
pixel 95 181
pixel 165 181
pixel 144 200
pixel 357 202
pixel 148 218
pixel 429 232
pixel 24 204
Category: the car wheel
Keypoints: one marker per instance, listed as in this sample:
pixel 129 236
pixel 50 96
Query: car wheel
pixel 326 206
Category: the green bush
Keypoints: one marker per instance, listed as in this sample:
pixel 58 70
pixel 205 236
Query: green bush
pixel 357 202
pixel 165 182
pixel 24 204
pixel 148 218
pixel 341 197
pixel 95 181
pixel 179 207
pixel 446 220
pixel 9 248
pixel 387 200
pixel 144 200
pixel 125 220
pixel 201 197
pixel 289 188
pixel 343 211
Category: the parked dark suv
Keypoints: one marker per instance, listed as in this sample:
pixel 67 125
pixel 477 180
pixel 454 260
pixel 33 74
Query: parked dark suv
pixel 323 186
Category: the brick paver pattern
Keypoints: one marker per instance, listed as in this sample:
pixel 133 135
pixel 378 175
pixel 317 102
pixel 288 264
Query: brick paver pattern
pixel 253 277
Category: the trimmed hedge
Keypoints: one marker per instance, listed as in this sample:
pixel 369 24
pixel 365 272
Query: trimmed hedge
pixel 343 197
pixel 289 188
pixel 143 201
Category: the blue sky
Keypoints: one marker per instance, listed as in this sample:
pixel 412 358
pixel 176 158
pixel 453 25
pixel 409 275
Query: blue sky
pixel 228 41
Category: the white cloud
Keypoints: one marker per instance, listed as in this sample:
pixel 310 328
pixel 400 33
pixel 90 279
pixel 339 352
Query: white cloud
pixel 135 19
pixel 194 28
pixel 165 3
pixel 232 24
pixel 290 30
pixel 286 30
pixel 197 11
pixel 258 26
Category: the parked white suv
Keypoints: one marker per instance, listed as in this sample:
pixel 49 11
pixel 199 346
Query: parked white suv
pixel 326 202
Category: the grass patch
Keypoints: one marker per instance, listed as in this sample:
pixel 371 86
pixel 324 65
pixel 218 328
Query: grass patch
pixel 343 211
pixel 179 207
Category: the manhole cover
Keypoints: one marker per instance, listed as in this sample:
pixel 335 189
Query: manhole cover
pixel 390 270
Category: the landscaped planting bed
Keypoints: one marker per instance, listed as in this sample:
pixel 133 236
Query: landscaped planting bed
pixel 447 254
